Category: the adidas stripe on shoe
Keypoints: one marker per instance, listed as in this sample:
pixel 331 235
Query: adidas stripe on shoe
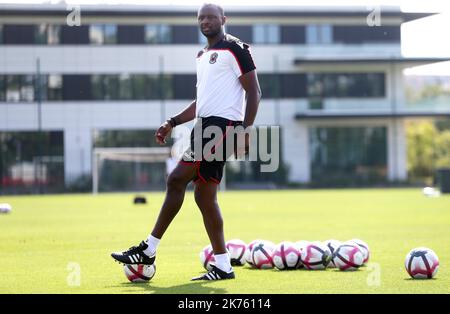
pixel 135 255
pixel 215 274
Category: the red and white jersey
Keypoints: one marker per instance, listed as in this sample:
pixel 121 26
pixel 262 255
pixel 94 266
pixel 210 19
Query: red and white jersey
pixel 219 91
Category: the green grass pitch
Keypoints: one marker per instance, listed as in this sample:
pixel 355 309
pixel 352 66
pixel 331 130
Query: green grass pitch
pixel 45 234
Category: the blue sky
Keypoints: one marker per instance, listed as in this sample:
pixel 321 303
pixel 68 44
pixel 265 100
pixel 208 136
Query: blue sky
pixel 421 38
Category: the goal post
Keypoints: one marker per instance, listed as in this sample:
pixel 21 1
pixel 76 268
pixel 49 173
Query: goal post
pixel 125 154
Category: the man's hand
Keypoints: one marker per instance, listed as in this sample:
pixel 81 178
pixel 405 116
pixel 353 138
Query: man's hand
pixel 163 131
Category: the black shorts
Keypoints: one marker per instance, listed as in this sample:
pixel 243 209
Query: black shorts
pixel 207 169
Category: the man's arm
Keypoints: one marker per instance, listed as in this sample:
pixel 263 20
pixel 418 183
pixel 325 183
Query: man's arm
pixel 250 83
pixel 184 116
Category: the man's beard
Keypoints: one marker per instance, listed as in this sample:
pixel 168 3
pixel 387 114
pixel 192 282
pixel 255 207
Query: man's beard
pixel 211 34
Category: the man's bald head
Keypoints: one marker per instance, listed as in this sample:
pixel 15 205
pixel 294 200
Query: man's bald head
pixel 213 5
pixel 211 19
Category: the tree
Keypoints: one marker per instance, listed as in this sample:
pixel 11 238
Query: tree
pixel 442 148
pixel 428 149
pixel 421 136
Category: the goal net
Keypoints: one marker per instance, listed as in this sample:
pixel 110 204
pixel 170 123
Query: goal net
pixel 129 169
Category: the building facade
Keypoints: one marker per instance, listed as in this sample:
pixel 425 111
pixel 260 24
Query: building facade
pixel 332 81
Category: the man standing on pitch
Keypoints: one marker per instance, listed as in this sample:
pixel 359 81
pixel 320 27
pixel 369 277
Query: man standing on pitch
pixel 228 95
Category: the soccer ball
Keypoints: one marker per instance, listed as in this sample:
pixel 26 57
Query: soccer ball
pixel 207 257
pixel 237 249
pixel 315 256
pixel 262 253
pixel 300 247
pixel 5 208
pixel 301 244
pixel 286 256
pixel 348 257
pixel 248 252
pixel 430 192
pixel 332 246
pixel 139 273
pixel 422 263
pixel 364 247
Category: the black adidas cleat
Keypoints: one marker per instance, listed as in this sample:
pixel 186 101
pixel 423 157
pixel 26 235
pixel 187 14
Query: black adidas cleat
pixel 135 255
pixel 215 274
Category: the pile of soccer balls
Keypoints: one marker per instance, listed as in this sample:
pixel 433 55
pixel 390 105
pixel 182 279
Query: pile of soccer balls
pixel 345 256
pixel 316 255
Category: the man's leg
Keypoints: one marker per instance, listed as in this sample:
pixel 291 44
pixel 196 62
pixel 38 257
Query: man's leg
pixel 206 199
pixel 145 252
pixel 176 188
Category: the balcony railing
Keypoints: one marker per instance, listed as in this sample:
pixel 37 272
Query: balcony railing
pixel 376 107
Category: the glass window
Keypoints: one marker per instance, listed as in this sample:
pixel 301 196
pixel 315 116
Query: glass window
pixel 335 85
pixel 258 34
pixel 13 88
pixel 356 34
pixel 19 88
pixel 292 85
pixel 292 34
pixel 165 34
pixel 312 34
pixel 40 36
pixel 54 87
pixel 97 87
pixel 273 34
pixel 1 34
pixel 53 34
pixel 110 34
pixel 155 85
pixel 2 88
pixel 319 34
pixel 125 88
pixel 266 34
pixel 243 32
pixel 184 86
pixel 158 34
pixel 151 34
pixel 96 34
pixel 21 171
pixel 41 84
pixel 348 155
pixel 270 85
pixel 326 34
pixel 105 87
pixel 78 35
pixel 111 87
pixel 140 87
pixel 27 88
pixel 165 86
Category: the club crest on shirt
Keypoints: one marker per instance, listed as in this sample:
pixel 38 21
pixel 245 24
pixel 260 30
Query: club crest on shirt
pixel 213 58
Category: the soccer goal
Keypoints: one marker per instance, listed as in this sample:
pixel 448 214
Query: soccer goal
pixel 134 158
